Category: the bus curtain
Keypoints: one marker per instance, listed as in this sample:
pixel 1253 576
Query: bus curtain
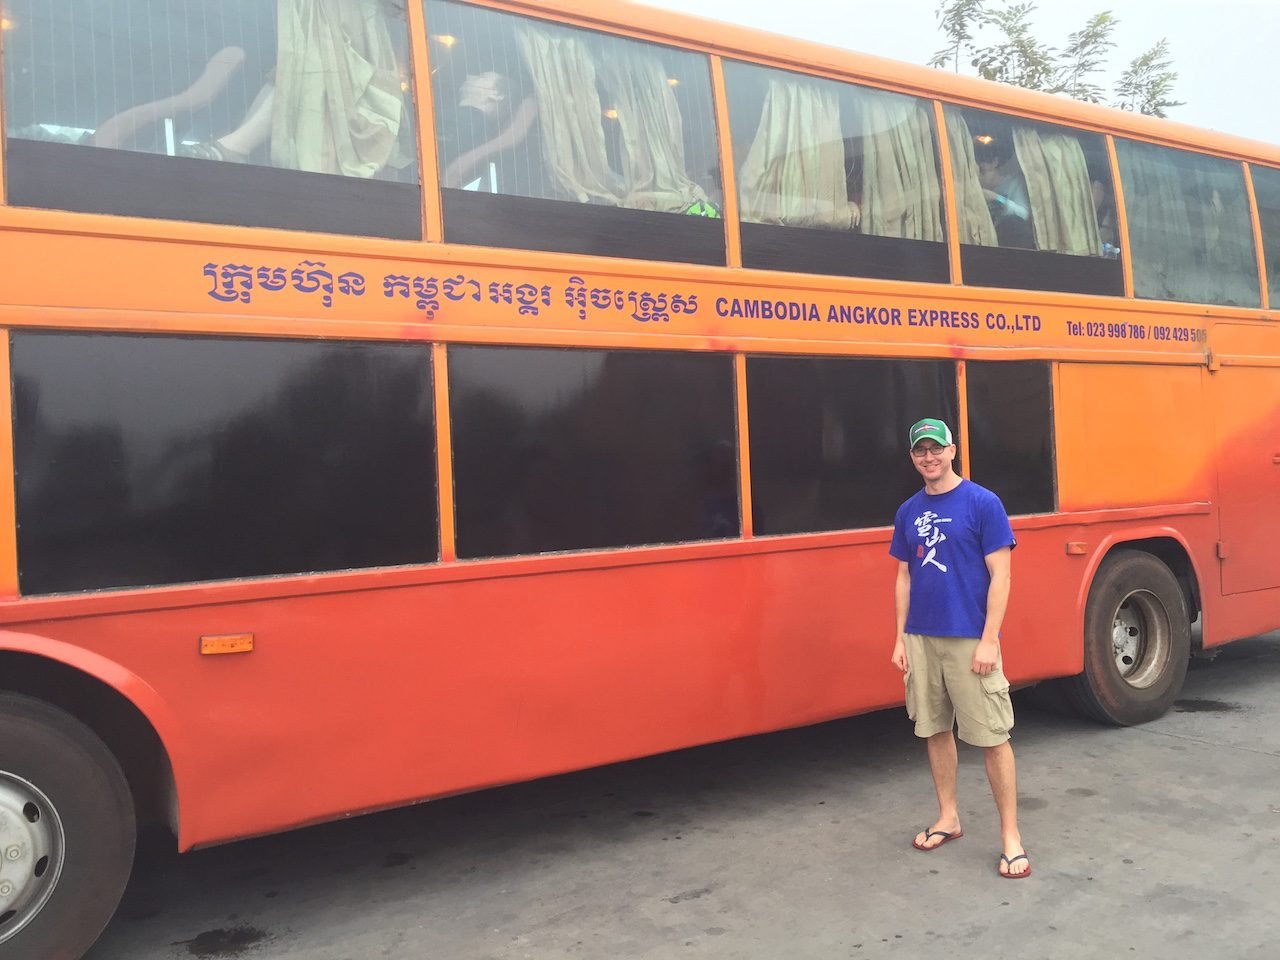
pixel 1063 218
pixel 794 171
pixel 338 104
pixel 1176 220
pixel 566 82
pixel 653 164
pixel 569 111
pixel 976 225
pixel 901 193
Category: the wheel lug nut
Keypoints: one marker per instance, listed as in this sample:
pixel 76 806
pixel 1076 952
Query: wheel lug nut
pixel 13 853
pixel 6 888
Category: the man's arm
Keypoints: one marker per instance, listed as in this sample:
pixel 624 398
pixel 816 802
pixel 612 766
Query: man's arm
pixel 901 600
pixel 999 566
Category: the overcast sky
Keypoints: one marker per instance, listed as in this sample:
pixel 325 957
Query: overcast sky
pixel 1224 50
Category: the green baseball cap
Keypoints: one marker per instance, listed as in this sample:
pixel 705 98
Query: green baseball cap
pixel 929 429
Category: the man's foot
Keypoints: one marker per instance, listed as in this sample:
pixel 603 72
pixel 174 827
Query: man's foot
pixel 936 836
pixel 211 150
pixel 1014 867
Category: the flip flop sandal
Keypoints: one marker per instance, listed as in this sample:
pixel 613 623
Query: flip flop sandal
pixel 1008 862
pixel 930 834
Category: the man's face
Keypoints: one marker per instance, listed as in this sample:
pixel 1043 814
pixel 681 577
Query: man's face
pixel 932 460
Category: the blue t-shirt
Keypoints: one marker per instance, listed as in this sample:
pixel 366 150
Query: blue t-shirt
pixel 944 539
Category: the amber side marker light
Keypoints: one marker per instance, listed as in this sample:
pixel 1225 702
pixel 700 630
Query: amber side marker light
pixel 1077 548
pixel 226 643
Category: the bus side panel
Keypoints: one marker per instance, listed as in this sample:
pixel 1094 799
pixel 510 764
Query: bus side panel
pixel 1247 409
pixel 1131 436
pixel 354 701
pixel 1245 395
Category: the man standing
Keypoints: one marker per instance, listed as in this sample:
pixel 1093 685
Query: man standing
pixel 952 541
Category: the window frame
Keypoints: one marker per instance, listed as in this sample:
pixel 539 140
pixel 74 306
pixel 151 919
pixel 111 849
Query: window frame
pixel 834 252
pixel 514 221
pixel 169 188
pixel 1043 271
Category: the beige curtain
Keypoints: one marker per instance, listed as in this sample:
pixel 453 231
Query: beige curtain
pixel 794 171
pixel 900 190
pixel 654 174
pixel 1189 227
pixel 1160 234
pixel 564 85
pixel 976 226
pixel 338 103
pixel 1062 214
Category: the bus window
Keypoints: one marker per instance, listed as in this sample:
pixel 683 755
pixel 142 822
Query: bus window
pixel 283 113
pixel 1266 187
pixel 835 178
pixel 1190 231
pixel 1011 432
pixel 1035 203
pixel 146 460
pixel 590 449
pixel 555 138
pixel 829 438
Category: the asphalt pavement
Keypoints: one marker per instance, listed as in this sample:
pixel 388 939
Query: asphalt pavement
pixel 1158 841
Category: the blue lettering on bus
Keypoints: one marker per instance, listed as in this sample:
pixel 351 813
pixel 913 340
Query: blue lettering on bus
pixel 240 283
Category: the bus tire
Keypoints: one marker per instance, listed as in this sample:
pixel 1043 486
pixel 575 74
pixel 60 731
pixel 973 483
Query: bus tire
pixel 1137 642
pixel 67 832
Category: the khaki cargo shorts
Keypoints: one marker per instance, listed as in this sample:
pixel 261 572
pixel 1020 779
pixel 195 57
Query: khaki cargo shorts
pixel 943 691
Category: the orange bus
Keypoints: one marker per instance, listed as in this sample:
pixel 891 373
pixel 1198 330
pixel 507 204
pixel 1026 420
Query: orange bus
pixel 412 397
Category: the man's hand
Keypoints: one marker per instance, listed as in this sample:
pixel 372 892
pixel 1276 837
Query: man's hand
pixel 985 656
pixel 899 658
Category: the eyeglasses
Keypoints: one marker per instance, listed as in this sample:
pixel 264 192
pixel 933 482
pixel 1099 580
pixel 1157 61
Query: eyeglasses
pixel 921 452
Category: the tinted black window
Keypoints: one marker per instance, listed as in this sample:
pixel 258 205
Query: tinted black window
pixel 152 460
pixel 1189 226
pixel 1011 433
pixel 288 113
pixel 554 138
pixel 829 444
pixel 588 449
pixel 1266 187
pixel 1035 203
pixel 835 178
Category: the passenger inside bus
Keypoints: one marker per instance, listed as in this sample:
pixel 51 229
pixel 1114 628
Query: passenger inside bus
pixel 1105 210
pixel 324 94
pixel 488 136
pixel 1005 191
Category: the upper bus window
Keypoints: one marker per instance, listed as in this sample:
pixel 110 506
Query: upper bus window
pixel 284 113
pixel 835 178
pixel 829 438
pixel 555 138
pixel 1035 203
pixel 155 460
pixel 590 449
pixel 1266 188
pixel 1190 231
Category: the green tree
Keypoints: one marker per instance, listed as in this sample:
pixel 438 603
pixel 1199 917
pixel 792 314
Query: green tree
pixel 997 40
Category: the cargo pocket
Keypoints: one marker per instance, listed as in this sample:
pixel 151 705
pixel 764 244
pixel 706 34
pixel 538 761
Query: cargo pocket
pixel 999 707
pixel 906 682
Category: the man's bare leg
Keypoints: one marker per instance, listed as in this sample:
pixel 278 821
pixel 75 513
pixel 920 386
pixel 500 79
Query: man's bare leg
pixel 1002 774
pixel 942 764
pixel 256 126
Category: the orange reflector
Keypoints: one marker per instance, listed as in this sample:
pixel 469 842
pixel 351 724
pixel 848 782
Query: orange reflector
pixel 1076 548
pixel 230 643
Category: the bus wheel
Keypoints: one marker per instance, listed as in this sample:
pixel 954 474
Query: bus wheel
pixel 1137 641
pixel 67 832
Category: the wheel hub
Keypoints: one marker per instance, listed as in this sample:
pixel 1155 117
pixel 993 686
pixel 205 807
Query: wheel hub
pixel 32 847
pixel 1140 637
